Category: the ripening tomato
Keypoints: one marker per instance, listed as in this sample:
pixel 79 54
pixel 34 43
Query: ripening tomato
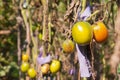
pixel 45 68
pixel 68 46
pixel 32 73
pixel 24 66
pixel 82 33
pixel 25 57
pixel 100 32
pixel 55 66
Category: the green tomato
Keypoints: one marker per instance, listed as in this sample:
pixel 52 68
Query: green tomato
pixel 82 33
pixel 52 33
pixel 32 73
pixel 34 28
pixel 24 67
pixel 55 66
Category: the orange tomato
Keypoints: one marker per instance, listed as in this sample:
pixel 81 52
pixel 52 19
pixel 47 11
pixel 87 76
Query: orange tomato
pixel 45 68
pixel 68 46
pixel 100 32
pixel 25 57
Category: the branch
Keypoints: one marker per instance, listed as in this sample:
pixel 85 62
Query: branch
pixel 5 32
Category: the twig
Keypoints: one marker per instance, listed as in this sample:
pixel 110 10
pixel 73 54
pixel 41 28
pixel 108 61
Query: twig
pixel 92 58
pixel 104 66
pixel 93 14
pixel 83 5
pixel 70 9
pixel 45 12
pixel 49 28
pixel 6 32
pixel 19 49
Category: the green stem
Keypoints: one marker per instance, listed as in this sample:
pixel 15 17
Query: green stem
pixel 49 28
pixel 35 46
pixel 96 12
pixel 104 66
pixel 83 5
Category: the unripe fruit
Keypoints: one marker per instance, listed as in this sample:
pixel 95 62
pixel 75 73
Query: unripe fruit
pixel 24 67
pixel 55 66
pixel 82 33
pixel 32 73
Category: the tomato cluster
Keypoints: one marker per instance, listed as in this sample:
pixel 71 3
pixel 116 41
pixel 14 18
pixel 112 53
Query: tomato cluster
pixel 52 67
pixel 25 66
pixel 83 32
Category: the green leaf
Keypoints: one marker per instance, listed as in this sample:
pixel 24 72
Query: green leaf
pixel 2 73
pixel 62 7
pixel 118 69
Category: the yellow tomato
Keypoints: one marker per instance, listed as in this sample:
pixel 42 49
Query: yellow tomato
pixel 32 73
pixel 82 33
pixel 55 66
pixel 24 66
pixel 25 57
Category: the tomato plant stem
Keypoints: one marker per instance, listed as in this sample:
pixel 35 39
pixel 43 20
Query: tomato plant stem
pixel 104 66
pixel 49 28
pixel 83 5
pixel 25 14
pixel 45 10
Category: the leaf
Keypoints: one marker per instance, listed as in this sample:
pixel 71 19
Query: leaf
pixel 118 69
pixel 62 7
pixel 13 64
pixel 2 73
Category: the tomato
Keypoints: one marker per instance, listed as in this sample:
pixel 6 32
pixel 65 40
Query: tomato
pixel 25 57
pixel 32 73
pixel 100 32
pixel 40 36
pixel 55 66
pixel 45 68
pixel 24 66
pixel 52 33
pixel 82 33
pixel 68 46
